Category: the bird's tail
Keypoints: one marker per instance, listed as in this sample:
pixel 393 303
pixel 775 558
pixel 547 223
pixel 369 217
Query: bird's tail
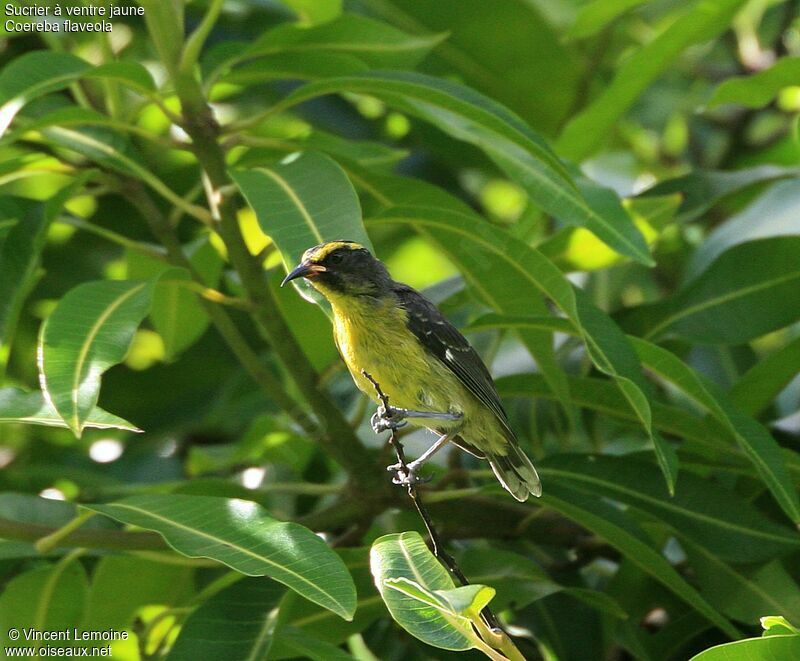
pixel 515 472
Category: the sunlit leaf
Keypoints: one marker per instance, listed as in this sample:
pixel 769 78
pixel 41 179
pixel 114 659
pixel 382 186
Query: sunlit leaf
pixel 32 408
pixel 758 89
pixel 89 331
pixel 700 22
pixel 242 535
pixel 405 556
pixel 505 138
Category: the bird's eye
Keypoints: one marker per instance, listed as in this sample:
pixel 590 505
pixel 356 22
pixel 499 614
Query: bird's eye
pixel 336 258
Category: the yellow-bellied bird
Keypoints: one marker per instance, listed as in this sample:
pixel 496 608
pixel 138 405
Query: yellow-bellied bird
pixel 430 373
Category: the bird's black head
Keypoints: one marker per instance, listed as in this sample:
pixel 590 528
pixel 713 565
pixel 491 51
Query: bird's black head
pixel 342 268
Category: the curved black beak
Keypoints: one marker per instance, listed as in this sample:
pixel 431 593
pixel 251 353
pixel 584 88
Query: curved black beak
pixel 303 270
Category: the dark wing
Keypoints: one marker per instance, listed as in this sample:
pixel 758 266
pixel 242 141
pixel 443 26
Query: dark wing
pixel 444 341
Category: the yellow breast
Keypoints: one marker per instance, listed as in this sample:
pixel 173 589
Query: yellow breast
pixel 373 336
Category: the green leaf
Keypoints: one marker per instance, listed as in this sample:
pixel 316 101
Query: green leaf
pixel 596 15
pixel 41 72
pixel 49 598
pixel 176 313
pixel 623 534
pixel 770 648
pixel 242 535
pixel 19 260
pixel 460 234
pixel 777 625
pixel 114 598
pixel 469 116
pixel 702 189
pixel 708 514
pixel 301 615
pixel 235 623
pixel 519 581
pixel 755 441
pixel 291 66
pixel 743 593
pixel 20 255
pixel 377 44
pixel 758 89
pixel 89 331
pixel 774 213
pixel 702 21
pixel 301 202
pixel 760 385
pixel 312 12
pixel 509 51
pixel 604 397
pixel 32 408
pixel 405 556
pixel 305 646
pixel 748 291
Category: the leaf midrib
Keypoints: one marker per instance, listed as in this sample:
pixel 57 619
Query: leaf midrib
pixel 87 344
pixel 667 505
pixel 295 199
pixel 720 300
pixel 226 544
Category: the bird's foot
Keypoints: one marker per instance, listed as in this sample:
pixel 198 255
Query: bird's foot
pixel 407 475
pixel 387 418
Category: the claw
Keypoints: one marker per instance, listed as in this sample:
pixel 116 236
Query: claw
pixel 407 475
pixel 384 420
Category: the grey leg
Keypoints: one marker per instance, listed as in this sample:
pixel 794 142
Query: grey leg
pixel 394 418
pixel 410 476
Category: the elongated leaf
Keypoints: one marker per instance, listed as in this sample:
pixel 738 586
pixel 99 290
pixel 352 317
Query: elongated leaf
pixel 744 593
pixel 702 21
pixel 156 583
pixel 298 614
pixel 405 556
pixel 702 189
pixel 236 623
pixel 748 291
pixel 519 581
pixel 243 536
pixel 378 44
pixel 621 532
pixel 509 51
pixel 19 258
pixel 294 66
pixel 770 648
pixel 757 443
pixel 605 344
pixel 33 409
pixel 302 202
pixel 466 115
pixel 303 645
pixel 719 520
pixel 313 12
pixel 758 89
pixel 20 255
pixel 41 72
pixel 762 383
pixel 594 16
pixel 89 331
pixel 774 213
pixel 49 598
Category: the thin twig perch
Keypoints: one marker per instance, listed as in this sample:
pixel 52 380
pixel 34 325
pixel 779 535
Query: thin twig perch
pixel 436 541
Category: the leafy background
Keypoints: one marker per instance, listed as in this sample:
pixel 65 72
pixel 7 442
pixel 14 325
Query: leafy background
pixel 604 195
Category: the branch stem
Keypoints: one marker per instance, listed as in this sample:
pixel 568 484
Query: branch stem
pixel 498 635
